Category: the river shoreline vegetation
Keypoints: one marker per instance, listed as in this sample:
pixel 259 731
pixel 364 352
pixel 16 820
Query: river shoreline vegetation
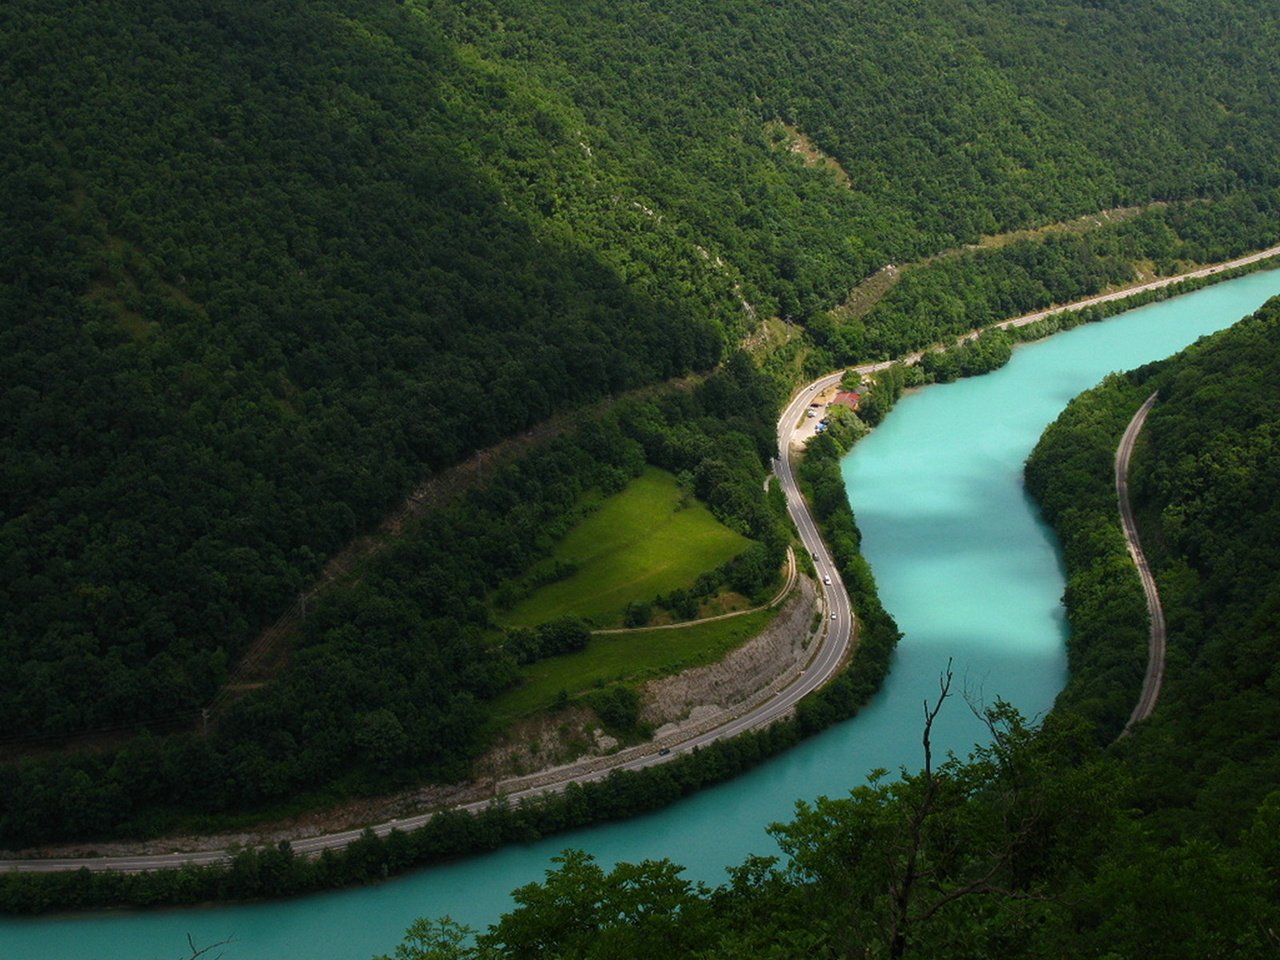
pixel 1062 840
pixel 1204 485
pixel 266 269
pixel 276 871
pixel 936 301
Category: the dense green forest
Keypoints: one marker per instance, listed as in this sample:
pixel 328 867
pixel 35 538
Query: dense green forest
pixel 1203 483
pixel 1060 841
pixel 1206 488
pixel 954 294
pixel 267 268
pixel 389 680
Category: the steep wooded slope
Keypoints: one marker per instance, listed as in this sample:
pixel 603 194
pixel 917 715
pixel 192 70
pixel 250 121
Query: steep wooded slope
pixel 265 267
pixel 1207 483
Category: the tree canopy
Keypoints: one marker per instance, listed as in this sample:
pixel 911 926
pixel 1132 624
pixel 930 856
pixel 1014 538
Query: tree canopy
pixel 266 269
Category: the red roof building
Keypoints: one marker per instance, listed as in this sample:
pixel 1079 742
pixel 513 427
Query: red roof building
pixel 847 399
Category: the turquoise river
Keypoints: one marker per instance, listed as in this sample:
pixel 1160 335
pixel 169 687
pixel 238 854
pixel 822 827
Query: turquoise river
pixel 963 564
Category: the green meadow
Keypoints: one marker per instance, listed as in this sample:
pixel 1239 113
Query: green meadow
pixel 630 656
pixel 647 540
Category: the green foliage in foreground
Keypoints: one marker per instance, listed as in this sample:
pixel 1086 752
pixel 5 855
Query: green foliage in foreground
pixel 648 539
pixel 1030 848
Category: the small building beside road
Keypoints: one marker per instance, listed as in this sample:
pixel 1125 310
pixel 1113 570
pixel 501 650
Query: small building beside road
pixel 847 398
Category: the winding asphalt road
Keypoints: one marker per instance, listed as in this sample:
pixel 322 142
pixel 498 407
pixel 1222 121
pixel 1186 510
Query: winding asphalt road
pixel 833 645
pixel 1156 645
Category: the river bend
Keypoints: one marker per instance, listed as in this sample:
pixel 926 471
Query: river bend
pixel 962 562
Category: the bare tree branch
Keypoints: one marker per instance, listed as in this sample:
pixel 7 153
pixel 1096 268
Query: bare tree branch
pixel 931 714
pixel 981 886
pixel 198 952
pixel 901 891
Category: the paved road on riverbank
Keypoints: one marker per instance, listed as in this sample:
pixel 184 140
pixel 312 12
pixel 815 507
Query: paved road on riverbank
pixel 828 656
pixel 1156 645
pixel 1027 318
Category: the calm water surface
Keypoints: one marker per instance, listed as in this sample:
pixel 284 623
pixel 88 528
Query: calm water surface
pixel 962 563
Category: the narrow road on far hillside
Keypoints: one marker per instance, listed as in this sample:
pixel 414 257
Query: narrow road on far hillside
pixel 1209 271
pixel 833 646
pixel 1156 645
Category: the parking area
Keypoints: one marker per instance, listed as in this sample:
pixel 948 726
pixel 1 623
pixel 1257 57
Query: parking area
pixel 811 422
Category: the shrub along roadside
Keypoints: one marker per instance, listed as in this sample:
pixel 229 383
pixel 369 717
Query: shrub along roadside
pixel 1070 319
pixel 877 633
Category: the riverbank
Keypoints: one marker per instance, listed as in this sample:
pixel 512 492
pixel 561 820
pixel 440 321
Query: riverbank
pixel 819 713
pixel 937 568
pixel 635 783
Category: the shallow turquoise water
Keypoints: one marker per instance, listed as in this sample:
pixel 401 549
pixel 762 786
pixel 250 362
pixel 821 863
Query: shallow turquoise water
pixel 962 563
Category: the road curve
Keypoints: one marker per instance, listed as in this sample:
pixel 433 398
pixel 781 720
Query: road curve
pixel 1156 645
pixel 833 646
pixel 834 643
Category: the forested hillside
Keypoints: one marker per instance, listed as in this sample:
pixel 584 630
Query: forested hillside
pixel 1207 488
pixel 266 267
pixel 1204 482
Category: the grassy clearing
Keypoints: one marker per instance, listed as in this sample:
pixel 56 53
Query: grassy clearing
pixel 636 655
pixel 874 288
pixel 867 294
pixel 640 543
pixel 1083 224
pixel 797 141
pixel 771 337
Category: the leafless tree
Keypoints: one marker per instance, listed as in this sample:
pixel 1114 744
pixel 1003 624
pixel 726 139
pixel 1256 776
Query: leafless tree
pixel 913 877
pixel 903 884
pixel 198 952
